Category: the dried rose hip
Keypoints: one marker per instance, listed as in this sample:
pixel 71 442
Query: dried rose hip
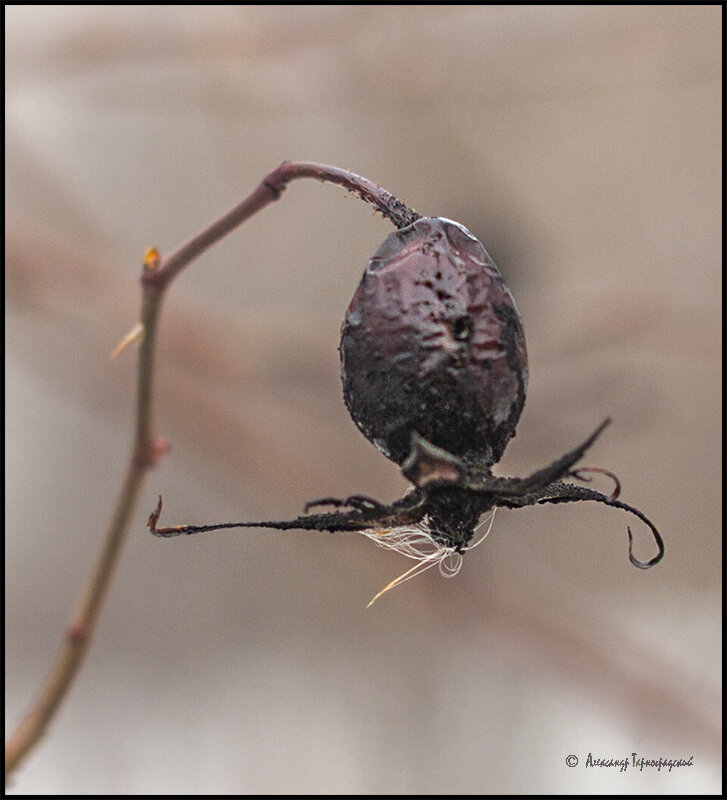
pixel 432 343
pixel 435 372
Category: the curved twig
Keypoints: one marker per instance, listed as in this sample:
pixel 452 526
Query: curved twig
pixel 156 276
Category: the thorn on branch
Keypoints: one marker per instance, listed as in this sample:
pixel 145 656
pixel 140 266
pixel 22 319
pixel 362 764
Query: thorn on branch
pixel 136 334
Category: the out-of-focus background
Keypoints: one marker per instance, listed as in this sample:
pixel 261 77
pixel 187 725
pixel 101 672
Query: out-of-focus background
pixel 582 145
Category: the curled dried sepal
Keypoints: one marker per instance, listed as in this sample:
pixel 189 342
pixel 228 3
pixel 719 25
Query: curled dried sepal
pixel 154 517
pixel 562 492
pixel 581 476
pixel 446 506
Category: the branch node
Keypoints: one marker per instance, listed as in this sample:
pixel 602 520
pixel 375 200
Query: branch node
pixel 275 191
pixel 148 456
pixel 77 632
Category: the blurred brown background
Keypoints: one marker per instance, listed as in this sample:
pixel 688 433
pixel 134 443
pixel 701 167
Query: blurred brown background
pixel 582 145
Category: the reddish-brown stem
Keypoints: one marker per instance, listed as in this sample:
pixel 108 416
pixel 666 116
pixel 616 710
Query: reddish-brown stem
pixel 269 190
pixel 156 276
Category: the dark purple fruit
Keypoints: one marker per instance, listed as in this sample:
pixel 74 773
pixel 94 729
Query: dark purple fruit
pixel 434 372
pixel 432 343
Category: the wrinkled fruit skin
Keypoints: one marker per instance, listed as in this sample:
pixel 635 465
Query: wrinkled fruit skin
pixel 432 343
